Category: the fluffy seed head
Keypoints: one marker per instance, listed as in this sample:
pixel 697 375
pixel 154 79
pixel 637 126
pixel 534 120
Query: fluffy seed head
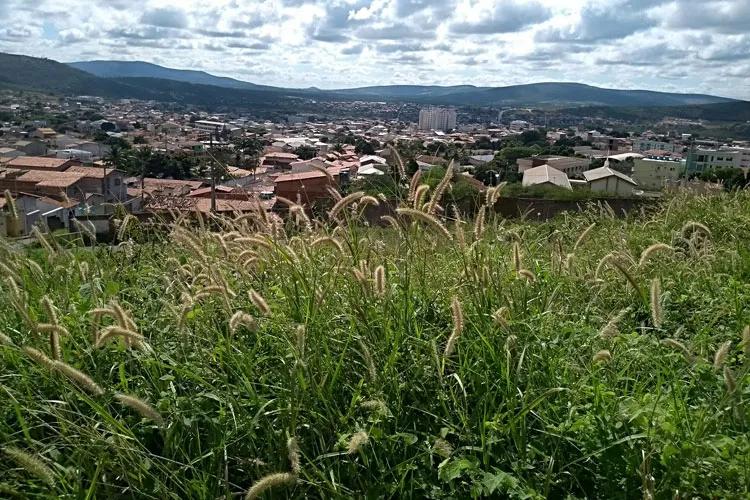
pixel 260 303
pixel 5 340
pixel 529 275
pixel 413 186
pixel 242 319
pixel 517 257
pixel 458 326
pixel 500 317
pixel 79 378
pixel 380 281
pixel 677 346
pixel 689 229
pixel 427 218
pixel 479 225
pixel 268 482
pixel 369 361
pixel 658 247
pixel 369 200
pixel 11 204
pixel 656 300
pixel 301 335
pixel 440 190
pixel 293 448
pixel 729 380
pixel 39 357
pixel 131 338
pixel 603 355
pixel 345 202
pixel 583 235
pixel 146 410
pixel 721 354
pixel 746 341
pixel 357 441
pixel 375 406
pixel 30 464
pixel 611 329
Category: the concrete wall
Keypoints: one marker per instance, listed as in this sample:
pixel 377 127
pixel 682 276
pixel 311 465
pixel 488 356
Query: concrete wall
pixel 612 185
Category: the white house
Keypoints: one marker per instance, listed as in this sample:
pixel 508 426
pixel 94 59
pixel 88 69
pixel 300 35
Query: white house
pixel 606 180
pixel 546 175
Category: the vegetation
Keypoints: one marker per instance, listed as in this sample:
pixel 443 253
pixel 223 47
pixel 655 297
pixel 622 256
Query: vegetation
pixel 419 361
pixel 731 178
pixel 549 192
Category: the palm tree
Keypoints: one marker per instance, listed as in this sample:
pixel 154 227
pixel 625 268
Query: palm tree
pixel 115 159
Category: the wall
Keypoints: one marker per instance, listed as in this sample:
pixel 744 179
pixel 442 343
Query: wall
pixel 613 185
pixel 652 175
pixel 539 209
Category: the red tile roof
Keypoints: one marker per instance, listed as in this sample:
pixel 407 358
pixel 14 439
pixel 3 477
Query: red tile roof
pixel 39 162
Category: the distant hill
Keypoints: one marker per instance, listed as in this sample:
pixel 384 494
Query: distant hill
pixel 137 69
pixel 536 94
pixel 46 75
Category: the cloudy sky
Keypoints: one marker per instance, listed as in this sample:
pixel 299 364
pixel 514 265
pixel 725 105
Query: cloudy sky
pixel 671 45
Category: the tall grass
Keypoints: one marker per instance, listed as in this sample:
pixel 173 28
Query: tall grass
pixel 425 360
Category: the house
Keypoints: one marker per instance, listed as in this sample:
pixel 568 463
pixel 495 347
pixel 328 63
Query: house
pixel 279 160
pixel 31 148
pixel 546 175
pixel 569 165
pixel 480 160
pixel 96 179
pixel 40 163
pixel 75 154
pixel 310 186
pixel 171 128
pixel 654 174
pixel 10 153
pixel 610 181
pixel 70 185
pixel 646 145
pixel 43 133
pixel 372 160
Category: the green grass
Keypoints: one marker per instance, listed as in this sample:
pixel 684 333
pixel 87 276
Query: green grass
pixel 519 410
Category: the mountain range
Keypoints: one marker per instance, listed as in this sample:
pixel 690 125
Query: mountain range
pixel 146 81
pixel 538 94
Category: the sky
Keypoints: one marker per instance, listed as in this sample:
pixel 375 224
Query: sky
pixel 668 45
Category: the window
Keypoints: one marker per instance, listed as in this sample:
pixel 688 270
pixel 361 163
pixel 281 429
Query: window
pixel 118 181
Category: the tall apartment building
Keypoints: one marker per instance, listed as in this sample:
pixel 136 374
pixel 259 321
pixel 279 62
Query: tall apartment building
pixel 437 119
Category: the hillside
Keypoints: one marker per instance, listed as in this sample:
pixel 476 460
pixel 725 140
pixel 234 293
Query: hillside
pixel 567 359
pixel 137 69
pixel 738 111
pixel 538 94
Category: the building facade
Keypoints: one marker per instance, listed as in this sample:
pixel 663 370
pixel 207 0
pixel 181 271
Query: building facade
pixel 653 174
pixel 437 119
pixel 652 145
pixel 704 159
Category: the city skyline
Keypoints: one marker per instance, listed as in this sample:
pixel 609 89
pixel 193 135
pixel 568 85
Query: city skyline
pixel 665 45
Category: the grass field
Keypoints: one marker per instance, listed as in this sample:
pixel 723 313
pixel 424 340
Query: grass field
pixel 586 357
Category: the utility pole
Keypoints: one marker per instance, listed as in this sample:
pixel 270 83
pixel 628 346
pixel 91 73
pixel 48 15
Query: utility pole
pixel 213 173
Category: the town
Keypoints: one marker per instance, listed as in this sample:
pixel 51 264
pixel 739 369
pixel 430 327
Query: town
pixel 95 155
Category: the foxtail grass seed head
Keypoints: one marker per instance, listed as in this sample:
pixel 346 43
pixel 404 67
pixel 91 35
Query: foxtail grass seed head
pixel 268 482
pixel 39 357
pixel 357 441
pixel 419 195
pixel 677 346
pixel 413 186
pixel 612 328
pixel 78 377
pixel 143 408
pixel 440 190
pixel 42 240
pixel 30 464
pixel 294 460
pixel 656 301
pixel 260 303
pixel 301 335
pixel 49 309
pixel 11 204
pixel 583 235
pixel 5 340
pixel 602 264
pixel 399 161
pixel 500 317
pixel 689 229
pixel 239 319
pixel 131 338
pixel 603 355
pixel 721 354
pixel 426 218
pixel 380 281
pixel 369 200
pixel 345 202
pixel 729 380
pixel 746 341
pixel 376 406
pixel 369 361
pixel 479 225
pixel 653 249
pixel 529 275
pixel 54 346
pixel 458 326
pixel 517 257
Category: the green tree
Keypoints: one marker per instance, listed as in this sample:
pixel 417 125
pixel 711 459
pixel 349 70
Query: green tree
pixel 363 147
pixel 306 152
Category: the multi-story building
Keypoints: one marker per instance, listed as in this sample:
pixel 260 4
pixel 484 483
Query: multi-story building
pixel 652 174
pixel 652 145
pixel 703 159
pixel 437 119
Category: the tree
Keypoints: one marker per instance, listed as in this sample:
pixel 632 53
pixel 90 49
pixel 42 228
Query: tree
pixel 338 148
pixel 362 147
pixel 306 152
pixel 117 157
pixel 139 139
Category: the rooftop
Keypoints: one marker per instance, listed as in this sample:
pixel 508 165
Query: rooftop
pixel 545 174
pixel 604 172
pixel 39 162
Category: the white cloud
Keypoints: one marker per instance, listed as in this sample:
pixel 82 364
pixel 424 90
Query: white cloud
pixel 694 45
